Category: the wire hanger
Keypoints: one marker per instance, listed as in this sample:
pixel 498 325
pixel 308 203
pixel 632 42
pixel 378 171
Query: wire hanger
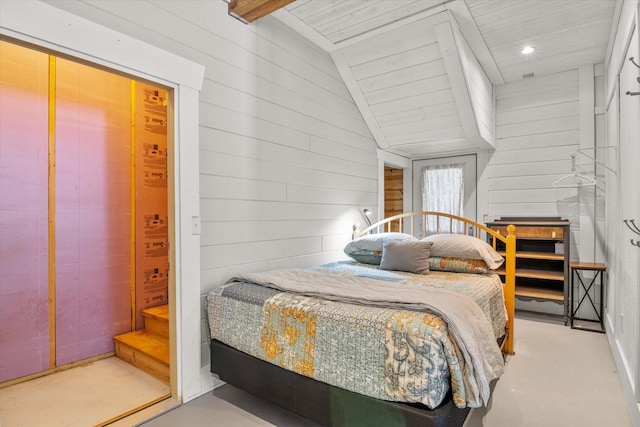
pixel 579 180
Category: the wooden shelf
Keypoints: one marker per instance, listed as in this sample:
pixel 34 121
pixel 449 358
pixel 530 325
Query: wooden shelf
pixel 536 274
pixel 541 273
pixel 537 255
pixel 542 293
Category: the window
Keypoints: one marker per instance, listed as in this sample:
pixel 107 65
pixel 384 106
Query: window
pixel 443 191
pixel 450 178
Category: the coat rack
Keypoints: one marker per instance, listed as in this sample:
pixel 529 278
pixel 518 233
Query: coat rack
pixel 580 180
pixel 629 92
pixel 633 227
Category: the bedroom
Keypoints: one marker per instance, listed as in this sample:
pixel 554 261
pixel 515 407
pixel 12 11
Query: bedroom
pixel 283 149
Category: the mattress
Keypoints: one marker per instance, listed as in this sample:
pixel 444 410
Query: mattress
pixel 394 354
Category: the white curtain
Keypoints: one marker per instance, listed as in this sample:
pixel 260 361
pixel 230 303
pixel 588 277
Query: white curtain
pixel 443 191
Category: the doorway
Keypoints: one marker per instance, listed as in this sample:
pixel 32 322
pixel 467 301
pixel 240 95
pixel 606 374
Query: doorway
pixel 83 210
pixel 393 194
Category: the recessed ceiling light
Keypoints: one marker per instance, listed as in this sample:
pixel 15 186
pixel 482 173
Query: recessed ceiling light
pixel 527 50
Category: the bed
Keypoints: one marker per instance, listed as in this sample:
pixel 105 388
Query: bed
pixel 407 332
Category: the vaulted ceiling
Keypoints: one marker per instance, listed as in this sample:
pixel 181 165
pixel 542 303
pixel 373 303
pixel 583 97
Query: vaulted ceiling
pixel 423 72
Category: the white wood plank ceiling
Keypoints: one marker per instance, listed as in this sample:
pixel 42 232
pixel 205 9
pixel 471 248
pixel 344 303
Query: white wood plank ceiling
pixel 422 72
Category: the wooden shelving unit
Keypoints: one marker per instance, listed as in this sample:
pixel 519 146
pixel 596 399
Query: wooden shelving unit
pixel 542 258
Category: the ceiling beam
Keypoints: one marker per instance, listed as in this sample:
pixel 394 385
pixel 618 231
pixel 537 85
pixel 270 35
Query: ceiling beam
pixel 344 68
pixel 289 19
pixel 473 36
pixel 249 10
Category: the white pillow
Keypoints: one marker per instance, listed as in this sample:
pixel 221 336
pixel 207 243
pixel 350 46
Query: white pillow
pixel 463 246
pixel 372 244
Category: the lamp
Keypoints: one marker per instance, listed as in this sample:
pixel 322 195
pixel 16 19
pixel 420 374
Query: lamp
pixel 367 214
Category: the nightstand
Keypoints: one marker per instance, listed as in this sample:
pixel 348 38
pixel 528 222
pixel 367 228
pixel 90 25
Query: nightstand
pixel 581 292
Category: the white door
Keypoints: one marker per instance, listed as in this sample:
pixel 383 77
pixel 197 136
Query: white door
pixel 468 166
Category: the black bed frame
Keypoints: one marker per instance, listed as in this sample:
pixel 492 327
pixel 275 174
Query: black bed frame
pixel 324 403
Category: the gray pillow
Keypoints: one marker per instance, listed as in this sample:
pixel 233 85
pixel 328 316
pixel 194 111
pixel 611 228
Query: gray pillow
pixel 406 255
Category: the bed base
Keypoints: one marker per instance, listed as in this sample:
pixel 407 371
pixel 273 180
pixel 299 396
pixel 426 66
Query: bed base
pixel 320 402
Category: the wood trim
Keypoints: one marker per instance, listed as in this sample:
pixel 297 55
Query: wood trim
pixel 471 33
pixel 132 208
pixel 536 232
pixel 252 10
pixel 292 21
pixel 56 369
pixel 536 292
pixel 536 255
pixel 531 273
pixel 52 212
pixel 457 78
pixel 134 410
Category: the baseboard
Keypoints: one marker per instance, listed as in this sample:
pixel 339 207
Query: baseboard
pixel 623 373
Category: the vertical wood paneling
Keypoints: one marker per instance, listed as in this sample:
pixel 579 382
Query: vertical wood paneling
pixel 393 193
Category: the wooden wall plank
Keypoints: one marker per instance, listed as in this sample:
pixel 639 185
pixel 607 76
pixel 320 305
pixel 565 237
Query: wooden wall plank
pixel 218 164
pixel 266 210
pixel 435 135
pixel 231 232
pixel 424 149
pixel 538 129
pixel 542 112
pixel 397 61
pixel 288 110
pixel 423 113
pixel 436 98
pixel 350 81
pixel 407 90
pixel 424 125
pixel 540 126
pixel 319 154
pixel 414 35
pixel 252 252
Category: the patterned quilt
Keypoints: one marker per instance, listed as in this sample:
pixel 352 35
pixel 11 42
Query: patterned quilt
pixel 397 354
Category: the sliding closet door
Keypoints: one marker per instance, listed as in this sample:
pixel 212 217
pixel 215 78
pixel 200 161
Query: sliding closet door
pixel 93 210
pixel 24 280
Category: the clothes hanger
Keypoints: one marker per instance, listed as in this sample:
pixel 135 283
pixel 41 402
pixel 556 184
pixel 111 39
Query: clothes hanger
pixel 580 180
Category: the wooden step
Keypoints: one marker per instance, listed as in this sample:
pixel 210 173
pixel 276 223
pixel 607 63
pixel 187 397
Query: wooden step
pixel 146 351
pixel 156 320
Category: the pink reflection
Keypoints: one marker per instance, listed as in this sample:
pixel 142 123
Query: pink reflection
pixel 24 316
pixel 93 152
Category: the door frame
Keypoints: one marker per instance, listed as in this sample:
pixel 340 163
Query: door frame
pixel 46 27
